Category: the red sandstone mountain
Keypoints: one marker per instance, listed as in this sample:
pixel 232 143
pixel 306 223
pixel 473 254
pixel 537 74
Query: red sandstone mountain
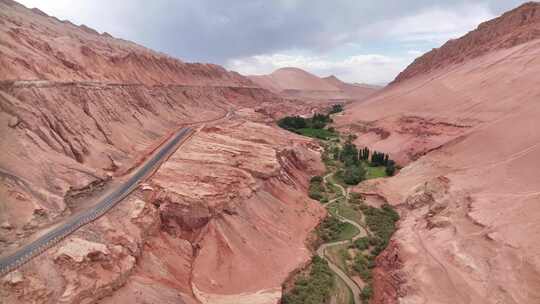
pixel 230 205
pixel 297 83
pixel 77 107
pixel 463 120
pixel 512 28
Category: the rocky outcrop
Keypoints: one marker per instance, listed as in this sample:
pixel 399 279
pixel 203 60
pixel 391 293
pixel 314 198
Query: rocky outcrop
pixel 387 278
pixel 510 29
pixel 82 132
pixel 89 265
pixel 418 135
pixel 249 200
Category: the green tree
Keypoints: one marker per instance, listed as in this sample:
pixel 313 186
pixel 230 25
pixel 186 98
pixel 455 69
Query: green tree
pixel 362 243
pixel 353 174
pixel 336 108
pixel 316 179
pixel 349 153
pixel 366 294
pixel 390 168
pixel 314 288
pixel 292 123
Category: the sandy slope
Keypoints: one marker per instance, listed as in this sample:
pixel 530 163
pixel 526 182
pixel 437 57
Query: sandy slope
pixel 471 206
pixel 355 91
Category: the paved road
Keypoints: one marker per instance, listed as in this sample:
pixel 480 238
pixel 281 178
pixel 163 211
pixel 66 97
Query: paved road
pixel 321 250
pixel 33 249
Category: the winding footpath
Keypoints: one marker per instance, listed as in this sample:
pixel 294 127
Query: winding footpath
pixel 106 202
pixel 353 286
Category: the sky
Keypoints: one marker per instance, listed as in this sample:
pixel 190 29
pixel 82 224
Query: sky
pixel 361 41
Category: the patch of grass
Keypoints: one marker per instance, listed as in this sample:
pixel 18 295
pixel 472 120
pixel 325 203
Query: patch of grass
pixel 339 256
pixel 312 127
pixel 331 229
pixel 375 172
pixel 346 210
pixel 343 293
pixel 323 134
pixel 348 232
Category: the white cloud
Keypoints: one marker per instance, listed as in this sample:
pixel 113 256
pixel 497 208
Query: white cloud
pixel 414 53
pixel 364 68
pixel 432 25
pixel 374 43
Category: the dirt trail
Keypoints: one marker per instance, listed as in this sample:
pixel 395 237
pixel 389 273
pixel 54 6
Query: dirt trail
pixel 362 232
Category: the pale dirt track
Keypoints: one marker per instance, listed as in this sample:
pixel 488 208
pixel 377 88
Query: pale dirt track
pixel 321 250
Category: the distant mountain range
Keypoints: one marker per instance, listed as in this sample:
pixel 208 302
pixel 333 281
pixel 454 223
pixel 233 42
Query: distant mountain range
pixel 297 83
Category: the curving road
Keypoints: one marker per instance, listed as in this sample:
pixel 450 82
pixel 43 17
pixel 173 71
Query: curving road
pixel 108 201
pixel 321 250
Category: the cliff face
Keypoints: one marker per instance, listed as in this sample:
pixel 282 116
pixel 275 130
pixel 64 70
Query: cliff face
pixel 78 109
pixel 510 29
pixel 469 190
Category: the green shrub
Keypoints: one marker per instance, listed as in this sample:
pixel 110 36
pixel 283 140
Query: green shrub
pixel 330 229
pixel 352 175
pixel 316 189
pixel 323 134
pixel 312 127
pixel 315 194
pixel 292 123
pixel 336 109
pixel 316 179
pixel 349 153
pixel 390 168
pixel 360 265
pixel 374 241
pixel 362 243
pixel 381 222
pixel 315 288
pixel 366 294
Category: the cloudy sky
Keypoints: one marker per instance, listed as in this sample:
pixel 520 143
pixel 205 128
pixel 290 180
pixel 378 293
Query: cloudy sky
pixel 356 40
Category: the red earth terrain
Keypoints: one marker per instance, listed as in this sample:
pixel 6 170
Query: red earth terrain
pixel 463 120
pixel 225 218
pixel 79 109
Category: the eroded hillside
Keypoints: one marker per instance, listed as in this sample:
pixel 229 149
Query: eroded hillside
pixel 79 109
pixel 512 28
pixel 467 136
